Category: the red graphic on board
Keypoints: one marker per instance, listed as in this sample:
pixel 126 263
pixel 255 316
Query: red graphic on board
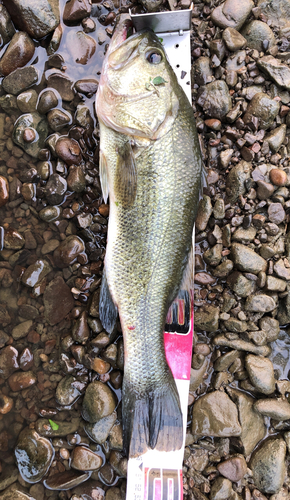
pixel 163 484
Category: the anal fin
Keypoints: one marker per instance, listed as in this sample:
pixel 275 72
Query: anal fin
pixel 108 310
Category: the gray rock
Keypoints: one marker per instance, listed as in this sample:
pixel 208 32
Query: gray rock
pixel 58 118
pixel 241 345
pixel 55 189
pixel 278 409
pixel 34 455
pixel 20 79
pixel 100 431
pixel 49 214
pixel 276 213
pixel 264 108
pixel 236 61
pixel 271 328
pixel 265 190
pixel 215 99
pixel 26 101
pixel 213 255
pixel 43 427
pixel 196 376
pixel 256 32
pixel 207 318
pixel 203 72
pixel 7 29
pixel 275 284
pixel 247 260
pixel 268 465
pixel 244 235
pixel 36 17
pixel 36 124
pixel 235 183
pixel 240 284
pixel 261 373
pixel 276 11
pixel 233 39
pixel 277 71
pixel 82 458
pixel 20 331
pixel 260 303
pixel 63 84
pixel 253 427
pixel 99 401
pixel 215 415
pixel 231 13
pixel 276 138
pixel 235 325
pixel 203 213
pixel 221 489
pixel 68 390
pixel 83 117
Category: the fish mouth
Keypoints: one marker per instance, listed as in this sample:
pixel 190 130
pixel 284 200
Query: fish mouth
pixel 122 31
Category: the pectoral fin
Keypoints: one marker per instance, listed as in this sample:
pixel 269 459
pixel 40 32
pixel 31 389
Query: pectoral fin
pixel 126 176
pixel 104 176
pixel 108 310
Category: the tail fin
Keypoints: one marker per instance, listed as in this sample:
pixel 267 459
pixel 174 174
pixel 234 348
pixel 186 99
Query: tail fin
pixel 151 420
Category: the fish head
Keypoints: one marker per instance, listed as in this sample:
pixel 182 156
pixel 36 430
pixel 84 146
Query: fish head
pixel 137 90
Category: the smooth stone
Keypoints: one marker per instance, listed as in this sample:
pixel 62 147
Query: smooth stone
pixel 15 492
pixel 66 480
pixel 68 391
pixel 278 177
pixel 99 401
pixel 13 240
pixel 47 101
pixel 8 361
pixel 260 303
pixel 233 39
pixel 268 465
pixel 63 84
pixel 37 17
pixel 83 117
pixel 240 284
pixel 278 409
pixel 76 10
pixel 215 415
pixel 26 101
pixel 271 328
pixel 8 476
pixel 19 52
pixel 253 427
pixel 247 260
pixel 203 72
pixel 84 459
pixel 55 189
pixel 50 246
pixel 34 455
pixel 256 32
pixel 49 214
pixel 213 255
pixel 58 301
pixel 68 251
pixel 100 431
pixel 21 380
pixel 20 79
pixel 116 439
pixel 81 46
pixel 276 137
pixel 207 318
pixel 9 104
pixel 221 489
pixel 90 490
pixel 203 214
pixel 244 235
pixel 215 99
pixel 4 191
pixel 276 213
pixel 68 150
pixel 43 427
pixel 81 331
pixel 7 29
pixel 276 70
pixel 20 331
pixel 265 190
pixel 26 360
pixel 235 183
pixel 87 86
pixel 232 14
pixel 262 107
pixel 235 325
pixel 76 180
pixel 35 122
pixel 275 284
pixel 58 119
pixel 241 345
pixel 261 373
pixel 234 469
pixel 36 272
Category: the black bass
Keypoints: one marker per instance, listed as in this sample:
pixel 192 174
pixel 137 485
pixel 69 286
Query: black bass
pixel 150 167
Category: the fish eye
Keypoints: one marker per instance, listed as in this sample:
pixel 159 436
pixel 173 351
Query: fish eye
pixel 154 57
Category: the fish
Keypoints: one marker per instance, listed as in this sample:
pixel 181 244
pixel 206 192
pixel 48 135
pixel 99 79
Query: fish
pixel 150 168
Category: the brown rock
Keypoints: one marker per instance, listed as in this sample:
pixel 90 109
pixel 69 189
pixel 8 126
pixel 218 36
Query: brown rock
pixel 278 177
pixel 66 480
pixel 8 361
pixel 13 240
pixel 234 468
pixel 276 213
pixel 76 10
pixel 36 17
pixel 58 301
pixel 21 380
pixel 18 53
pixel 68 150
pixel 87 86
pixel 100 366
pixel 67 252
pixel 82 46
pixel 81 331
pixel 4 191
pixel 85 459
pixel 63 84
pixel 104 210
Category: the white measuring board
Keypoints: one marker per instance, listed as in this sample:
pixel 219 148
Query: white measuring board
pixel 157 475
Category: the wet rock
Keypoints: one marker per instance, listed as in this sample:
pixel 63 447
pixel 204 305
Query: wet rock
pixel 278 409
pixel 203 72
pixel 68 150
pixel 276 70
pixel 50 214
pixel 256 32
pixel 8 361
pixel 268 465
pixel 13 240
pixel 196 376
pixel 36 272
pixel 99 401
pixel 26 101
pixel 81 331
pixel 232 14
pixel 276 138
pixel 20 331
pixel 47 101
pixel 43 427
pixel 21 380
pixel 260 303
pixel 84 459
pixel 203 213
pixel 68 391
pixel 20 79
pixel 8 477
pixel 68 251
pixel 49 247
pixel 87 86
pixel 15 492
pixel 234 468
pixel 253 427
pixel 34 455
pixel 233 39
pixel 100 431
pixel 26 360
pixel 241 345
pixel 235 183
pixel 262 107
pixel 4 191
pixel 221 489
pixel 82 46
pixel 58 119
pixel 38 125
pixel 261 373
pixel 58 301
pixel 55 189
pixel 37 18
pixel 223 269
pixel 63 84
pixel 215 415
pixel 215 99
pixel 207 318
pixel 76 10
pixel 213 255
pixel 92 489
pixel 18 53
pixel 247 260
pixel 76 179
pixel 66 480
pixel 7 29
